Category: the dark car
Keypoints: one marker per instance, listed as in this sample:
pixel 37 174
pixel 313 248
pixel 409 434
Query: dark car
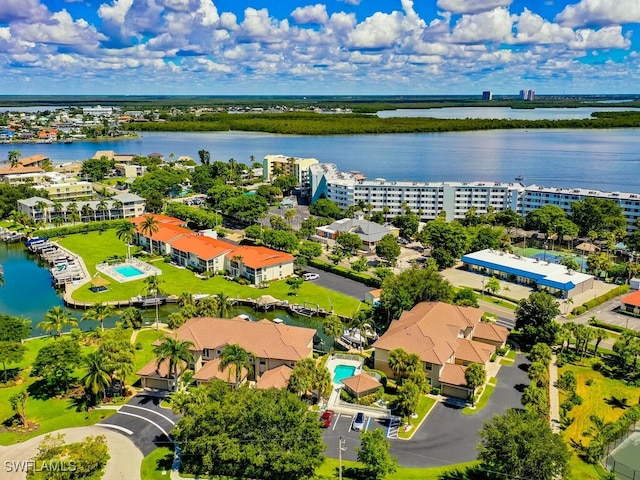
pixel 326 418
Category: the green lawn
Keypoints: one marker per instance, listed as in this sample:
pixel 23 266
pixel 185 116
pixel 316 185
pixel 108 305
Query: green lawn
pixel 424 407
pixel 596 401
pixel 96 247
pixel 52 414
pixel 329 469
pixel 157 462
pixel 484 398
pixel 145 355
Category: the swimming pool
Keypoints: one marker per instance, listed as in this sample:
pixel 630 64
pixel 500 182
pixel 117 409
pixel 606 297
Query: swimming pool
pixel 340 372
pixel 128 271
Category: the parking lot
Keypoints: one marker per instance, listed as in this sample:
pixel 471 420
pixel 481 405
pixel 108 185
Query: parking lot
pixel 341 427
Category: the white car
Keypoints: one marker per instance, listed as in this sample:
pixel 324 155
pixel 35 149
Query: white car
pixel 311 276
pixel 358 422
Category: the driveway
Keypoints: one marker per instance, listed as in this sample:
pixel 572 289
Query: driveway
pixel 144 422
pixel 339 284
pixel 446 436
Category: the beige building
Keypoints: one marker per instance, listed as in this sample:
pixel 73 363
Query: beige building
pixel 283 165
pixel 274 346
pixel 447 338
pixel 68 190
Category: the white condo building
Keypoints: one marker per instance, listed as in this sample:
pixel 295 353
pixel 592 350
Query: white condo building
pixel 454 198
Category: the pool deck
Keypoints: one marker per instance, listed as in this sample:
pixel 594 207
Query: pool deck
pixel 145 269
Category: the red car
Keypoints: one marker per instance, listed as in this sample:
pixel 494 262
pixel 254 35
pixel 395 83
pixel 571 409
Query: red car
pixel 326 418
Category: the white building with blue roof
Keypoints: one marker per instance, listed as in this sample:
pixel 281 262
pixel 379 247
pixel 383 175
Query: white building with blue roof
pixel 540 274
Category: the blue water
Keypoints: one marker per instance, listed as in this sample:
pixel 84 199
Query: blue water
pixel 599 159
pixel 128 271
pixel 340 372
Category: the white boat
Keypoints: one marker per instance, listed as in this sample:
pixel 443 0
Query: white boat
pixel 277 320
pixel 244 316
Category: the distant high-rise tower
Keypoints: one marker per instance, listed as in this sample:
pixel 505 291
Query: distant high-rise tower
pixel 487 95
pixel 528 95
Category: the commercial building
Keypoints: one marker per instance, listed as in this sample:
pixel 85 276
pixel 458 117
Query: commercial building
pixel 537 273
pixel 369 232
pixel 527 95
pixel 274 165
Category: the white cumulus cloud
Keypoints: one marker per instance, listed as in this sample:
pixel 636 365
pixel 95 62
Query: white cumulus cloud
pixel 492 26
pixel 472 6
pixel 600 12
pixel 316 14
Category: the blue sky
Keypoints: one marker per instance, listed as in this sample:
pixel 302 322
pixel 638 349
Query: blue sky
pixel 341 47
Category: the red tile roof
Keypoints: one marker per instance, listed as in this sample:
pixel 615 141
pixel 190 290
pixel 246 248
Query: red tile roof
pixel 472 351
pixel 211 370
pixel 166 233
pixel 263 339
pixel 258 257
pixel 632 299
pixel 161 219
pixel 361 383
pixel 490 331
pixel 275 378
pixel 203 247
pixel 453 374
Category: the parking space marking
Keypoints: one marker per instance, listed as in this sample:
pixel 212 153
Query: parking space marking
pixel 152 411
pixel 116 427
pixel 146 420
pixel 336 422
pixel 366 427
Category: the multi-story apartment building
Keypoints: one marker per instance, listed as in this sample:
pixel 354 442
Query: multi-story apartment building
pixel 536 196
pixel 429 199
pixel 67 190
pixel 283 165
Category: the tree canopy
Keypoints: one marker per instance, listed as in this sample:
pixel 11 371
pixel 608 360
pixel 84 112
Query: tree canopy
pixel 448 241
pixel 249 433
pixel 535 317
pixel 601 215
pixel 521 445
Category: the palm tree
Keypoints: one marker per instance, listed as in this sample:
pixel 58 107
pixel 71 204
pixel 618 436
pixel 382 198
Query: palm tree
pixel 475 375
pixel 398 362
pixel 600 335
pixel 117 205
pixel 224 305
pixel 152 286
pixel 72 213
pixel 14 158
pixel 126 232
pixel 87 211
pixel 99 313
pixel 103 207
pixel 43 207
pixel 97 378
pixel 333 327
pixel 56 319
pixel 237 359
pixel 130 318
pixel 185 299
pixel 175 352
pixel 148 227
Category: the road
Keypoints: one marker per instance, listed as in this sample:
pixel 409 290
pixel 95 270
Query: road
pixel 144 422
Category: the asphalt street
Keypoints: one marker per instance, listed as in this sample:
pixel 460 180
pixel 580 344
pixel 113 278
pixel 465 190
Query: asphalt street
pixel 144 422
pixel 339 284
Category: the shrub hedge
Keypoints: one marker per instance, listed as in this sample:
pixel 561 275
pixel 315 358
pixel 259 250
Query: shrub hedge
pixel 622 289
pixel 80 228
pixel 346 273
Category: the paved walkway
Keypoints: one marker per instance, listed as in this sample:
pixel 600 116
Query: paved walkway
pixel 124 463
pixel 554 398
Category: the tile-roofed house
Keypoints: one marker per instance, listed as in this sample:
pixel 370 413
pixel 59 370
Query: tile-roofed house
pixel 157 376
pixel 273 345
pixel 440 334
pixel 275 378
pixel 453 380
pixel 488 332
pixel 211 371
pixel 361 385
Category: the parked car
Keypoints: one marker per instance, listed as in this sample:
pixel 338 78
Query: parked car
pixel 358 422
pixel 326 418
pixel 311 276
